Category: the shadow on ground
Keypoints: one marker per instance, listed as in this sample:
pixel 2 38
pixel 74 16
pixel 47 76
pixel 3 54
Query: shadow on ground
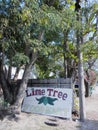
pixel 89 125
pixel 4 113
pixel 51 122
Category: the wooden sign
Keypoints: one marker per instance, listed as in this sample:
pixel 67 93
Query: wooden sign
pixel 48 101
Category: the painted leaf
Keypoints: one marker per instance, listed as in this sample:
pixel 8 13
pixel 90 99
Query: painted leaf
pixel 46 100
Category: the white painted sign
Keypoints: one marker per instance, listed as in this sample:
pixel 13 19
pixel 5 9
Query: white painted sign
pixel 48 101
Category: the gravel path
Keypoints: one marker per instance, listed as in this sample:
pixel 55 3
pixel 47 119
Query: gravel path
pixel 91 122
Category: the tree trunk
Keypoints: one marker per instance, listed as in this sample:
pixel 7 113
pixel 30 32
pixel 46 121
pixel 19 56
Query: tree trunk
pixel 9 73
pixel 16 74
pixel 23 86
pixel 66 50
pixel 24 82
pixel 65 67
pixel 26 75
pixel 6 87
pixel 86 88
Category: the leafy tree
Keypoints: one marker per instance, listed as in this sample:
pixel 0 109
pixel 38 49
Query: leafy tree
pixel 22 29
pixel 61 40
pixel 20 42
pixel 90 34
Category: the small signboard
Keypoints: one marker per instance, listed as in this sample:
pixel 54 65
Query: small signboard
pixel 48 101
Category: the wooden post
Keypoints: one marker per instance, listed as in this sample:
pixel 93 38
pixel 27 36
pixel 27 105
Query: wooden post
pixel 80 64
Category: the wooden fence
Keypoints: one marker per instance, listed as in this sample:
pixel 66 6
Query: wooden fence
pixel 58 82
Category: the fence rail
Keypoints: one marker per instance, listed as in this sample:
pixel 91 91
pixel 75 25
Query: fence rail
pixel 59 82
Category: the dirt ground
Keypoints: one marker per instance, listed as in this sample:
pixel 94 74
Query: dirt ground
pixel 41 122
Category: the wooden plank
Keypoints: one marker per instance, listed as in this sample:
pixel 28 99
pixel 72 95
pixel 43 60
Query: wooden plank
pixel 66 81
pixel 51 81
pixel 51 85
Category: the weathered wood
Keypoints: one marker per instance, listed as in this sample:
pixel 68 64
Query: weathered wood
pixel 66 81
pixel 61 82
pixel 51 85
pixel 50 81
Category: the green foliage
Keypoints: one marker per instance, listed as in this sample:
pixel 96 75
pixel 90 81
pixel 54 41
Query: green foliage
pixel 19 59
pixel 76 103
pixel 22 23
pixel 90 51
